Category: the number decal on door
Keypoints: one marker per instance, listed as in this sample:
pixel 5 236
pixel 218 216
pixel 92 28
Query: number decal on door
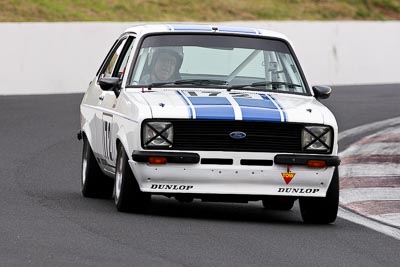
pixel 107 144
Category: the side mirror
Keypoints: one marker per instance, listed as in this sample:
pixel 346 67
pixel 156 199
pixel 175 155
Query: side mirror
pixel 110 83
pixel 322 92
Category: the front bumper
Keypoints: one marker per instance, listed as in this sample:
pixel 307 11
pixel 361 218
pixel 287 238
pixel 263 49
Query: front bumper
pixel 184 157
pixel 230 173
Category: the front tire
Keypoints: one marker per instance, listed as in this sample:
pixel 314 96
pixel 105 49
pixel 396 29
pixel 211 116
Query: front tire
pixel 94 183
pixel 128 196
pixel 322 210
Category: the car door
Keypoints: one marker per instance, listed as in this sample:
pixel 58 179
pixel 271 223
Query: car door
pixel 106 131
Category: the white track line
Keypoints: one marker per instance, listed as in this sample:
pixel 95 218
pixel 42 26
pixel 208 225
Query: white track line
pixel 390 218
pixel 369 127
pixel 379 227
pixel 367 194
pixel 365 170
pixel 372 149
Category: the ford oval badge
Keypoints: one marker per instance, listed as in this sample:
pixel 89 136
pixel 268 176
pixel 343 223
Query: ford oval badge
pixel 237 135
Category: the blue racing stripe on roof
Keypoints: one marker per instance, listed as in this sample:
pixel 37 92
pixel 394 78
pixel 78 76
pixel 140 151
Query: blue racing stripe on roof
pixel 258 109
pixel 191 28
pixel 214 108
pixel 237 30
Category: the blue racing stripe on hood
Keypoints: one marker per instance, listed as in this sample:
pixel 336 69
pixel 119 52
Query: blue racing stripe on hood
pixel 284 115
pixel 259 109
pixel 214 108
pixel 187 103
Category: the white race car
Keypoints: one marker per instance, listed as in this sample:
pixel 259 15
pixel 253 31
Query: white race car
pixel 216 113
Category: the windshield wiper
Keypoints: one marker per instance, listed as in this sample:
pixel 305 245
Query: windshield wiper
pixel 258 84
pixel 159 84
pixel 202 82
pixel 189 81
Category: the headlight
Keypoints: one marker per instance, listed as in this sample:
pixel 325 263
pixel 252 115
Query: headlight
pixel 158 134
pixel 317 138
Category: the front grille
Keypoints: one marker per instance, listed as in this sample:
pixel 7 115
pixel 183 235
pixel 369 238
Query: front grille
pixel 208 135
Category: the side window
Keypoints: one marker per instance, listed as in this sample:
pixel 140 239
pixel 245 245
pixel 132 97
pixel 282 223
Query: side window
pixel 117 60
pixel 112 62
pixel 124 61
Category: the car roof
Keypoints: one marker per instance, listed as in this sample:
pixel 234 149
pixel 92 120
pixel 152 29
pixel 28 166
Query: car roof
pixel 203 28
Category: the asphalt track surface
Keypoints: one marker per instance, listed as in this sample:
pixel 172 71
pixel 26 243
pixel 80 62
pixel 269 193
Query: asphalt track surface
pixel 44 220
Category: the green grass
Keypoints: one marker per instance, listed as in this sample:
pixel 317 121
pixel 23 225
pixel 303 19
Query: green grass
pixel 197 10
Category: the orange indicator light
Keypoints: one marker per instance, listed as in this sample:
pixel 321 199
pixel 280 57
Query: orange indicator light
pixel 316 163
pixel 157 160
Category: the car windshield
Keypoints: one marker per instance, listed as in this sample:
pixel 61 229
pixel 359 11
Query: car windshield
pixel 206 60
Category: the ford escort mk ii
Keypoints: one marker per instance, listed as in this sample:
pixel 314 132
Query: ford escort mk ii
pixel 216 113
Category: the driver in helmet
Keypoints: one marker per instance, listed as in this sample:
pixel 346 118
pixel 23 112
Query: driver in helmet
pixel 164 66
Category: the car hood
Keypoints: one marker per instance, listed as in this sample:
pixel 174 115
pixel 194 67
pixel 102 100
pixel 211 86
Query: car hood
pixel 233 105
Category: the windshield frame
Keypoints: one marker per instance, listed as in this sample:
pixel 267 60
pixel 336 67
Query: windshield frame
pixel 295 59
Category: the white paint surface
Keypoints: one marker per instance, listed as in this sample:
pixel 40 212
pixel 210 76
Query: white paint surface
pixel 43 58
pixel 390 218
pixel 371 149
pixel 367 194
pixel 366 170
pixel 394 122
